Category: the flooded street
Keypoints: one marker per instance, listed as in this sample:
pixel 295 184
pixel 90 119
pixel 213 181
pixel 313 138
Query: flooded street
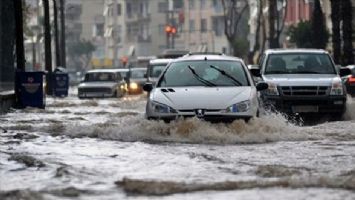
pixel 105 149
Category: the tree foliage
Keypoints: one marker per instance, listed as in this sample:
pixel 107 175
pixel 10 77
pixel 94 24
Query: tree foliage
pixel 81 52
pixel 301 34
pixel 319 34
pixel 232 16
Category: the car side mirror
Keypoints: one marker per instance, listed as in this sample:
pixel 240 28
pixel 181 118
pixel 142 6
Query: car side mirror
pixel 262 86
pixel 254 70
pixel 148 87
pixel 344 71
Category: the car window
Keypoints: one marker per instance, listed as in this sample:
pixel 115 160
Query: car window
pixel 204 73
pixel 138 73
pixel 299 63
pixel 100 76
pixel 156 70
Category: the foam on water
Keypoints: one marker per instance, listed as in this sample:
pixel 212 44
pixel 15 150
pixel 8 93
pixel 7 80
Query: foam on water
pixel 130 128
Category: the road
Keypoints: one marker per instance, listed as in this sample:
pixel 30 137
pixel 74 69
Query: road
pixel 105 149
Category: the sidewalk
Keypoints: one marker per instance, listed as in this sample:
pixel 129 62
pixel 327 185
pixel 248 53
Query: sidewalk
pixel 7 96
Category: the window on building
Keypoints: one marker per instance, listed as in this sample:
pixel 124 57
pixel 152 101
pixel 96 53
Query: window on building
pixel 129 10
pixel 178 4
pixel 192 25
pixel 218 26
pixel 161 29
pixel 203 25
pixel 162 7
pixel 203 4
pixel 119 9
pixel 98 30
pixel 191 4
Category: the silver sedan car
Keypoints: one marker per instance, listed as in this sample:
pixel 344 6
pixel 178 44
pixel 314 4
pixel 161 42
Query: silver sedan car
pixel 209 86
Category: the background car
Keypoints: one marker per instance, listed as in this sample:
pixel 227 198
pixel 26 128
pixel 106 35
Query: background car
pixel 155 68
pixel 349 81
pixel 302 81
pixel 136 80
pixel 210 87
pixel 102 83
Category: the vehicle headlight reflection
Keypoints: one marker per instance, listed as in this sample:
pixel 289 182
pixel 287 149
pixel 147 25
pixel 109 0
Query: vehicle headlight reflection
pixel 243 106
pixel 162 108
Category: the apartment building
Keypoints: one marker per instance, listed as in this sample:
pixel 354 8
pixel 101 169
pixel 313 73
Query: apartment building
pixel 204 26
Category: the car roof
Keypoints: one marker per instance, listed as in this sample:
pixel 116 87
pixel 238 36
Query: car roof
pixel 139 69
pixel 282 51
pixel 161 61
pixel 108 70
pixel 192 57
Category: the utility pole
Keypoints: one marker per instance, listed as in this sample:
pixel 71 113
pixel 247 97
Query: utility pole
pixel 20 52
pixel 62 38
pixel 47 46
pixel 20 55
pixel 56 41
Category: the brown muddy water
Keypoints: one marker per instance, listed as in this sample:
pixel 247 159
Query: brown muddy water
pixel 105 149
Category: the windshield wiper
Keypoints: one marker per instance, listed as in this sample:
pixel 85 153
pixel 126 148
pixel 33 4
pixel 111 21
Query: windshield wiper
pixel 224 73
pixel 199 78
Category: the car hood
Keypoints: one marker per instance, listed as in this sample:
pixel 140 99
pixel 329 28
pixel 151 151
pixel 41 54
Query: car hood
pixel 301 79
pixel 97 84
pixel 138 80
pixel 201 97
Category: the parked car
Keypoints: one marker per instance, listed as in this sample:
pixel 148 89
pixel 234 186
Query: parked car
pixel 210 87
pixel 301 81
pixel 349 80
pixel 137 79
pixel 155 68
pixel 102 83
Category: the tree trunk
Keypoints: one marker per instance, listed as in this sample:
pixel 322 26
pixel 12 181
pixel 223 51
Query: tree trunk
pixel 47 46
pixel 335 6
pixel 348 56
pixel 7 40
pixel 273 43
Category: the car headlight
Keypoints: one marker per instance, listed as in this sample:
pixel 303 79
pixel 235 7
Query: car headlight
pixel 272 89
pixel 337 88
pixel 162 108
pixel 243 106
pixel 133 86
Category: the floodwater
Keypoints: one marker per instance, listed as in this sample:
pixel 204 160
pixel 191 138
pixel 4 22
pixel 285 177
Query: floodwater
pixel 105 149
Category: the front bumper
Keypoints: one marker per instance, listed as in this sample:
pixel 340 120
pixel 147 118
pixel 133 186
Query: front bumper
pixel 206 117
pixel 315 104
pixel 94 95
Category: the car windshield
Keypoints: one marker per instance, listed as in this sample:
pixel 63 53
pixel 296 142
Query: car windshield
pixel 100 76
pixel 138 73
pixel 156 69
pixel 299 63
pixel 204 73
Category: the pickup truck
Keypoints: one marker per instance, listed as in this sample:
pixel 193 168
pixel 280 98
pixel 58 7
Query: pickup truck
pixel 301 81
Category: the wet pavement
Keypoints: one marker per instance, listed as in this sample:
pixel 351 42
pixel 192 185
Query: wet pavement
pixel 105 149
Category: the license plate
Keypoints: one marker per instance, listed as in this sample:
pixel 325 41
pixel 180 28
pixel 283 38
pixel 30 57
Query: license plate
pixel 304 109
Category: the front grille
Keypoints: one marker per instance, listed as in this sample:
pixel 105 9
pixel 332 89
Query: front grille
pixel 94 90
pixel 304 90
pixel 206 110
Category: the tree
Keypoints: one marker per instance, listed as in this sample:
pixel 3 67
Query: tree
pixel 81 53
pixel 232 16
pixel 320 34
pixel 335 16
pixel 348 56
pixel 277 17
pixel 301 34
